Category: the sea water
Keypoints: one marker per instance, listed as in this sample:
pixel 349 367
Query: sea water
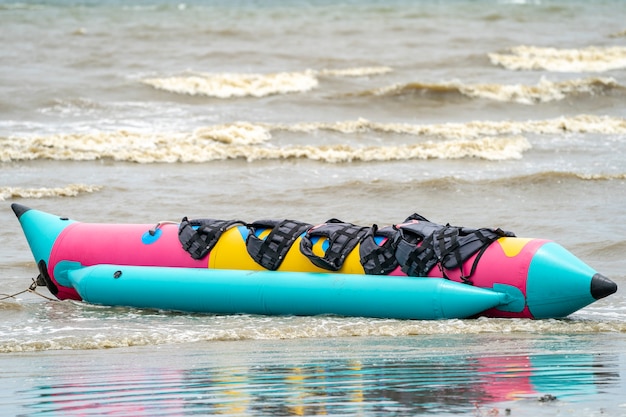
pixel 487 113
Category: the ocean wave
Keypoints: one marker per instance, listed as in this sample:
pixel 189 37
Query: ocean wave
pixel 576 124
pixel 551 176
pixel 239 133
pixel 151 148
pixel 488 140
pixel 388 188
pixel 619 34
pixel 414 87
pixel 72 190
pixel 236 85
pixel 355 72
pixel 89 335
pixel 545 91
pixel 544 177
pixel 589 59
pixel 230 85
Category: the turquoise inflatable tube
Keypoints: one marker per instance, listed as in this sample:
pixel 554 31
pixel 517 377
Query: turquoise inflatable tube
pixel 278 293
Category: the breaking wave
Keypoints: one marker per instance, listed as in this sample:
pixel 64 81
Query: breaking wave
pixel 72 190
pixel 150 148
pixel 230 85
pixel 576 124
pixel 545 91
pixel 589 59
pixel 487 140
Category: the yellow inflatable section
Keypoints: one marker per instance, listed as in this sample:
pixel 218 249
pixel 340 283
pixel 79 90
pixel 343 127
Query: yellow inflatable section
pixel 512 246
pixel 230 253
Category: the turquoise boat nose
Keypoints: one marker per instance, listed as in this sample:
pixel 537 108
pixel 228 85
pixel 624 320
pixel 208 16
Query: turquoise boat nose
pixel 41 230
pixel 559 283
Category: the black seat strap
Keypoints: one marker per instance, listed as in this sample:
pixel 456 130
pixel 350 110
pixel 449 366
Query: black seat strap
pixel 199 236
pixel 379 259
pixel 270 252
pixel 343 238
pixel 423 244
pixel 416 261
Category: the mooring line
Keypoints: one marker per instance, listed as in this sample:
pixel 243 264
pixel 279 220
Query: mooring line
pixel 31 289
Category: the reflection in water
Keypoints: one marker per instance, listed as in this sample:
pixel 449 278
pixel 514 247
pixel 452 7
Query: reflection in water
pixel 372 385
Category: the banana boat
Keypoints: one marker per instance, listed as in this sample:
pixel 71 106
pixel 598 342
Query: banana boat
pixel 416 269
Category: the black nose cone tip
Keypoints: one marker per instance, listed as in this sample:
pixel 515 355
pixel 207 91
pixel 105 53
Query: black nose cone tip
pixel 19 209
pixel 602 287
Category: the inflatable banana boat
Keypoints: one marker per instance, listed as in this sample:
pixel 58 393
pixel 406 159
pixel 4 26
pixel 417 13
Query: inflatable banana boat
pixel 413 270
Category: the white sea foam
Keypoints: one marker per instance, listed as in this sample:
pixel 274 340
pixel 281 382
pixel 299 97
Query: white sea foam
pixel 479 139
pixel 355 72
pixel 72 190
pixel 148 148
pixel 485 148
pixel 246 327
pixel 239 133
pixel 230 85
pixel 575 124
pixel 589 59
pixel 542 92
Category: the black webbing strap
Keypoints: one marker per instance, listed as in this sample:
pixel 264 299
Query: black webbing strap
pixel 416 230
pixel 199 236
pixel 270 252
pixel 424 244
pixel 473 241
pixel 379 259
pixel 416 261
pixel 342 238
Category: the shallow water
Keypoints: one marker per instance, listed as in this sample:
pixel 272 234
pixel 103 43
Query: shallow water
pixel 520 375
pixel 479 113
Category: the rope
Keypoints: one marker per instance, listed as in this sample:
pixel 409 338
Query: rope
pixel 31 289
pixel 7 296
pixel 153 230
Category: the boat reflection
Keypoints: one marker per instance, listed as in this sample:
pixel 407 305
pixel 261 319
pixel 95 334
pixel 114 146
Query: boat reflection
pixel 376 386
